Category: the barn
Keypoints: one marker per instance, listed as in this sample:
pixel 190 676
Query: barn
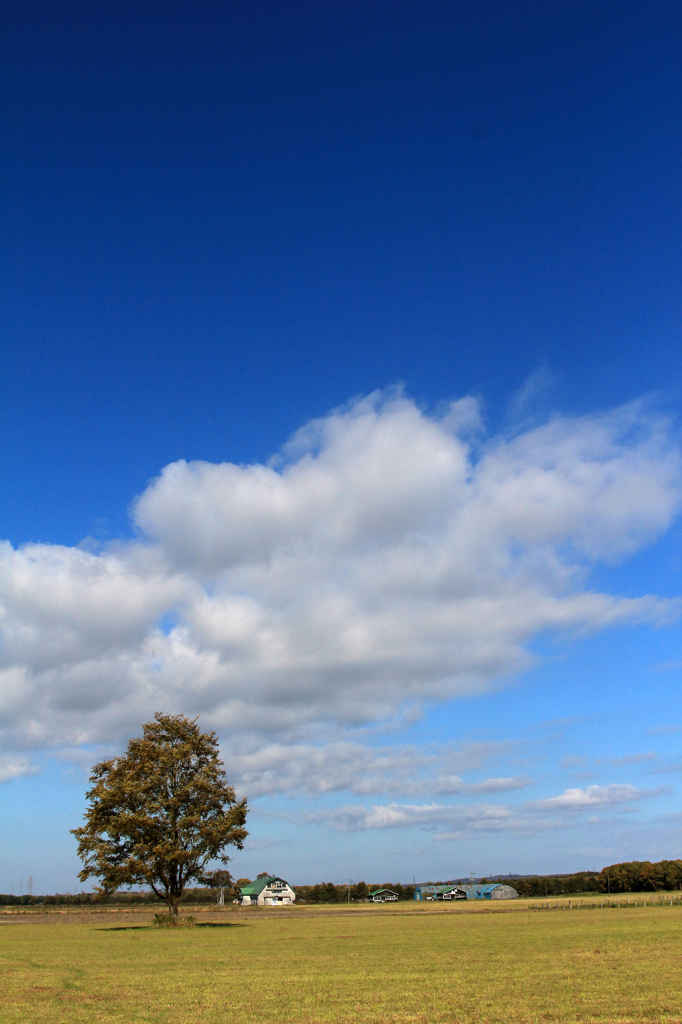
pixel 490 891
pixel 470 891
pixel 268 891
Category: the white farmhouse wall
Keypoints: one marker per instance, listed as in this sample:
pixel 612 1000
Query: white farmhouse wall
pixel 275 896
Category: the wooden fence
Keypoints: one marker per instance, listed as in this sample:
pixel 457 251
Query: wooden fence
pixel 619 902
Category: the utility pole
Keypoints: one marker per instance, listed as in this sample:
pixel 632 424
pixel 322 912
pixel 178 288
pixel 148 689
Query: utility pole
pixel 30 885
pixel 350 882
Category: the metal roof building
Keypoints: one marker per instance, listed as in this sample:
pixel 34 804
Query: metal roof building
pixel 490 891
pixel 269 891
pixel 383 896
pixel 469 891
pixel 440 892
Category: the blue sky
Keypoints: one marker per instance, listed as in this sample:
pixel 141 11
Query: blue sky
pixel 340 407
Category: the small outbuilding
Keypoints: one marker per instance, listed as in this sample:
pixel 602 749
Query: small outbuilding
pixel 383 896
pixel 268 891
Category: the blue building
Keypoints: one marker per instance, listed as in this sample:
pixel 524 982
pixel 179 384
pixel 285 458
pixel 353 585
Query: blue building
pixel 468 891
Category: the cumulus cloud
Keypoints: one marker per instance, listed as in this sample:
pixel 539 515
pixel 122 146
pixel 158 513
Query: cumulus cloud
pixel 458 820
pixel 385 558
pixel 15 767
pixel 482 817
pixel 364 770
pixel 597 796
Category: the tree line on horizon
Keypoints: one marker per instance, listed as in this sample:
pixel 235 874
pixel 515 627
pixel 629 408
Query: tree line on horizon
pixel 629 876
pixel 322 892
pixel 641 876
pixel 159 815
pixel 327 892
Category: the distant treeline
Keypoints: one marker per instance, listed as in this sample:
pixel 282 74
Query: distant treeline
pixel 556 885
pixel 641 876
pixel 323 892
pixel 327 892
pixel 631 876
pixel 87 899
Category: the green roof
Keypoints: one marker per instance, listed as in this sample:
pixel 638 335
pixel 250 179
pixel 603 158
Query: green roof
pixel 377 891
pixel 256 887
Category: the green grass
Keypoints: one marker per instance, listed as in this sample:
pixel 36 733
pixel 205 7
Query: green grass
pixel 422 965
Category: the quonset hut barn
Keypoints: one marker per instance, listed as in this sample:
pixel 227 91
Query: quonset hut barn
pixel 470 891
pixel 490 891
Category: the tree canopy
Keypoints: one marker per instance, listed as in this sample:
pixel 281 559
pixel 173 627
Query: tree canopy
pixel 159 814
pixel 221 879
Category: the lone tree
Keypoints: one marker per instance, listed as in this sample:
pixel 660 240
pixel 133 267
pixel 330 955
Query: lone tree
pixel 160 813
pixel 221 880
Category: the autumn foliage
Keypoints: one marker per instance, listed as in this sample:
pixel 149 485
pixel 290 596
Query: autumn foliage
pixel 161 813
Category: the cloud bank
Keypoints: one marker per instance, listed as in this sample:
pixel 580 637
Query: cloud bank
pixel 461 819
pixel 361 769
pixel 14 767
pixel 385 558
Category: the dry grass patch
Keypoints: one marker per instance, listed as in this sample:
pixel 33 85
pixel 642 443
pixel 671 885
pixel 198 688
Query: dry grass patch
pixel 451 966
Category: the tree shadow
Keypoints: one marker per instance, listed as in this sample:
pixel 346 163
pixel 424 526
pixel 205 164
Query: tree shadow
pixel 151 928
pixel 221 924
pixel 123 928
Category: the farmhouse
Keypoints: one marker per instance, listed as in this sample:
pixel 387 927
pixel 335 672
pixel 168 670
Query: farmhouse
pixel 440 892
pixel 268 891
pixel 453 893
pixel 383 896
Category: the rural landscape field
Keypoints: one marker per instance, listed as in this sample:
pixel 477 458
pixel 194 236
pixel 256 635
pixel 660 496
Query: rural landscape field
pixel 341 518
pixel 411 963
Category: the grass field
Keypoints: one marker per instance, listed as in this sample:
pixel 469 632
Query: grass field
pixel 411 963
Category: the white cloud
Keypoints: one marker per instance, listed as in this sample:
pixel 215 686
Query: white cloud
pixel 597 796
pixel 365 770
pixel 458 819
pixel 465 819
pixel 525 401
pixel 14 767
pixel 384 559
